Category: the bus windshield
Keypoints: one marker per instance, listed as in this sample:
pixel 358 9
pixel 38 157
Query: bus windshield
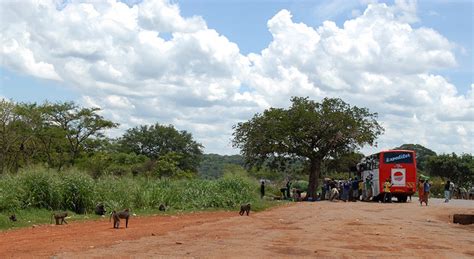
pixel 398 158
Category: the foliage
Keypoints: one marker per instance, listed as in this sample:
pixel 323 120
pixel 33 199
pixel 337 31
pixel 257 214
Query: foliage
pixel 301 185
pixel 52 134
pixel 39 189
pixel 79 192
pixel 307 131
pixel 100 163
pixel 168 166
pixel 437 187
pixel 459 169
pixel 157 140
pixel 343 163
pixel 212 165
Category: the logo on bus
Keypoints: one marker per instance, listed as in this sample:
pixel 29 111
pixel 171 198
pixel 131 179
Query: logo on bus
pixel 396 158
pixel 398 176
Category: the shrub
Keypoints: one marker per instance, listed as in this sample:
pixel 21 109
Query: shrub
pixel 10 193
pixel 40 189
pixel 301 185
pixel 78 190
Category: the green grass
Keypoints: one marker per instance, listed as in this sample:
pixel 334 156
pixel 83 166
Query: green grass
pixel 33 194
pixel 30 217
pixel 34 216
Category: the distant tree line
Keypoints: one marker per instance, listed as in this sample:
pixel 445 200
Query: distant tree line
pixel 276 144
pixel 59 135
pixel 457 168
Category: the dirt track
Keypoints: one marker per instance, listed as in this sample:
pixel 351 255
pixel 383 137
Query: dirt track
pixel 333 229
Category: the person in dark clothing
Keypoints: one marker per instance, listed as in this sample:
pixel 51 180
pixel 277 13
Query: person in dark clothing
pixel 288 185
pixel 262 189
pixel 355 190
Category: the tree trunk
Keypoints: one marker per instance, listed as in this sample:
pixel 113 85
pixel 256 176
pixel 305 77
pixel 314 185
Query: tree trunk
pixel 314 173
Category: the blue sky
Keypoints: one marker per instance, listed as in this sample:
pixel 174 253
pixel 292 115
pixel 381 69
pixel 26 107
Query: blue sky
pixel 236 55
pixel 453 19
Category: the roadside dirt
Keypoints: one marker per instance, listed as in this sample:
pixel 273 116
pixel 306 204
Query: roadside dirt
pixel 322 229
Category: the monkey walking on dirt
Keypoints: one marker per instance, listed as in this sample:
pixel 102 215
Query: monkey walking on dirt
pixel 60 217
pixel 244 208
pixel 120 215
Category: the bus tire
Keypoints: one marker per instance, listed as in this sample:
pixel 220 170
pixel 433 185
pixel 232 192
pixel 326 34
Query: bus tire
pixel 402 198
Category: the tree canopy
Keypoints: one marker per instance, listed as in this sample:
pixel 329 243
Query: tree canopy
pixel 157 140
pixel 307 130
pixel 51 133
pixel 459 169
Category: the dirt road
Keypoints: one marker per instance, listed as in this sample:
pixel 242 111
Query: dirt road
pixel 329 229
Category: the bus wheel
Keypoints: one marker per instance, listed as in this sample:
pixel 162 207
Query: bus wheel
pixel 402 198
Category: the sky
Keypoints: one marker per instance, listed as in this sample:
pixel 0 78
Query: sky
pixel 205 65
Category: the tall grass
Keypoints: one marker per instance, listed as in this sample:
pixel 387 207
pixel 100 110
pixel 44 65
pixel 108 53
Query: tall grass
pixel 79 192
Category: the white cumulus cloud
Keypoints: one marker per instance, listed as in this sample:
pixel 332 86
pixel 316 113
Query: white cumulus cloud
pixel 198 80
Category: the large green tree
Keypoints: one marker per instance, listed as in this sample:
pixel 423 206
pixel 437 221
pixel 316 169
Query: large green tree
pixel 307 130
pixel 158 140
pixel 79 125
pixel 53 134
pixel 459 169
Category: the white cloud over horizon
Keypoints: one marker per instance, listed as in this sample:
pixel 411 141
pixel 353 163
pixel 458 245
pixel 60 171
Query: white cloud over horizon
pixel 117 57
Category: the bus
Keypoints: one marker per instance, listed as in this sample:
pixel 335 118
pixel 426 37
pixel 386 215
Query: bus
pixel 397 165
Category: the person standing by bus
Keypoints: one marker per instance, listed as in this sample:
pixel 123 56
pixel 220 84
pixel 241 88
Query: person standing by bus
pixel 368 187
pixel 387 197
pixel 426 189
pixel 421 191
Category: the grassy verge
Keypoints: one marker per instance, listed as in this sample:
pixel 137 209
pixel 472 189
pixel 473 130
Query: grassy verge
pixel 33 194
pixel 33 216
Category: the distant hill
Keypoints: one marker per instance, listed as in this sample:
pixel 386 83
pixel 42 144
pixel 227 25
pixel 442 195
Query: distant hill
pixel 212 165
pixel 422 154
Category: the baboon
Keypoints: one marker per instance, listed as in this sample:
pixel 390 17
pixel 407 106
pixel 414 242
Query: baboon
pixel 100 209
pixel 162 207
pixel 59 216
pixel 12 218
pixel 120 215
pixel 244 208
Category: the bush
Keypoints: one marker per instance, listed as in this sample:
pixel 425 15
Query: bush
pixel 40 188
pixel 437 187
pixel 78 190
pixel 10 193
pixel 302 185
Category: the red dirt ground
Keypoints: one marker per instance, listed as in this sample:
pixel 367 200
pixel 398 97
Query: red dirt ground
pixel 327 229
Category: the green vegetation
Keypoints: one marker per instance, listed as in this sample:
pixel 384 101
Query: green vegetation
pixel 307 131
pixel 35 191
pixel 459 169
pixel 213 165
pixel 54 156
pixel 443 167
pixel 79 192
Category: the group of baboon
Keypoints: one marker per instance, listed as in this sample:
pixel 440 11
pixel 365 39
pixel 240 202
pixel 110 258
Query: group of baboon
pixel 60 216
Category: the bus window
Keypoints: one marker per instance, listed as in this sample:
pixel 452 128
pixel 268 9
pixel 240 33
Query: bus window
pixel 398 158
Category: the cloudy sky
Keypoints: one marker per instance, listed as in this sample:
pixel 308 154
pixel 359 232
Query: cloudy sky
pixel 205 65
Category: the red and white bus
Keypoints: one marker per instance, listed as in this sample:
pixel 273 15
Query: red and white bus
pixel 397 165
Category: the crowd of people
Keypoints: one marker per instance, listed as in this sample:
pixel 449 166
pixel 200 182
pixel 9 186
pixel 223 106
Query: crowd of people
pixel 348 190
pixel 355 189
